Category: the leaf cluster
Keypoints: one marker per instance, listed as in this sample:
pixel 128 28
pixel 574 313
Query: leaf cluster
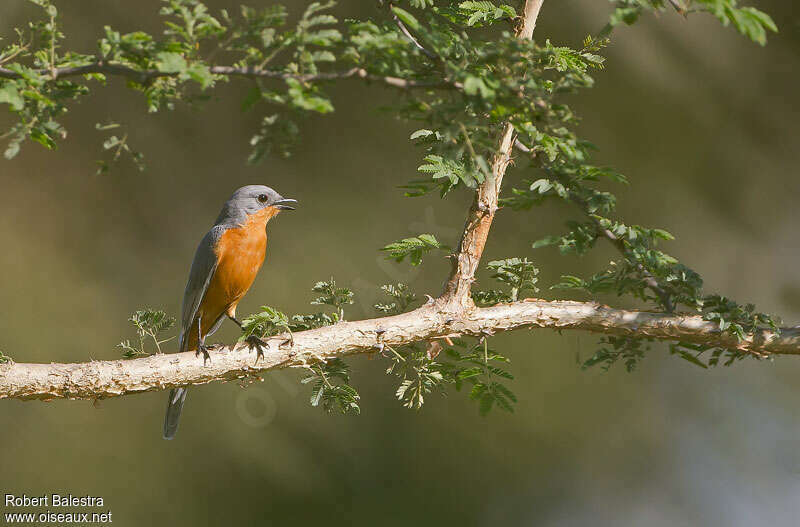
pixel 334 296
pixel 478 366
pixel 149 325
pixel 629 350
pixel 519 274
pixel 401 298
pixel 463 363
pixel 330 378
pixel 330 387
pixel 413 248
pixel 748 21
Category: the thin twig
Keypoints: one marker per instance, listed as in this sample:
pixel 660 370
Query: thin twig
pixel 405 31
pixel 619 244
pixel 144 76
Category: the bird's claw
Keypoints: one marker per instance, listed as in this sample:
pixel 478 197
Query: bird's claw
pixel 258 344
pixel 202 348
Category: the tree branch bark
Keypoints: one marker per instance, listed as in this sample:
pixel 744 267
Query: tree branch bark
pixel 457 290
pixel 103 379
pixel 453 313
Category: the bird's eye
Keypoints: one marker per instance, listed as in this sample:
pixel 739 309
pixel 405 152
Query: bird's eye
pixel 263 198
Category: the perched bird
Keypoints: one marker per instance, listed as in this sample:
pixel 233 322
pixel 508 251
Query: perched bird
pixel 225 265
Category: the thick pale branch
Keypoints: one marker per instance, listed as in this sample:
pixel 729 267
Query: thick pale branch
pixel 456 296
pixel 145 76
pixel 102 379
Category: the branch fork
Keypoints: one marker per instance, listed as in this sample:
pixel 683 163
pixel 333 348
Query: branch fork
pixel 453 313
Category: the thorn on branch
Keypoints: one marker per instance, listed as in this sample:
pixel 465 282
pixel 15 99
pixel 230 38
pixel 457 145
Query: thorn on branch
pixel 679 7
pixel 405 31
pixel 379 340
pixel 519 145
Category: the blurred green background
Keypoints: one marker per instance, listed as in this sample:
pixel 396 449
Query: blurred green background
pixel 702 121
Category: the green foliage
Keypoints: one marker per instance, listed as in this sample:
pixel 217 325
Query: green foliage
pixel 517 273
pixel 735 319
pixel 149 325
pixel 627 349
pixel 413 248
pixel 483 80
pixel 483 13
pixel 490 297
pixel 695 354
pixel 5 359
pixel 465 76
pixel 473 365
pixel 313 321
pixel 266 323
pixel 401 296
pixel 175 67
pixel 749 21
pixel 270 322
pixel 329 379
pixel 330 387
pixel 117 146
pixel 477 366
pixel 336 297
pixel 690 353
pixel 419 375
pixel 454 171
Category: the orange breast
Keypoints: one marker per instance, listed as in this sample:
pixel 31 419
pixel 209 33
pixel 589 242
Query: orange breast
pixel 240 254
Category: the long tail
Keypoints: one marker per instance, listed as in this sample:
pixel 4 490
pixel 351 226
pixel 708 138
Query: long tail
pixel 175 402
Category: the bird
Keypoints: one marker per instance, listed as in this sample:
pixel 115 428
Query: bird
pixel 225 265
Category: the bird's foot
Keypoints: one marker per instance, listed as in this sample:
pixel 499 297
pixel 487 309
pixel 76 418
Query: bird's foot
pixel 202 348
pixel 258 344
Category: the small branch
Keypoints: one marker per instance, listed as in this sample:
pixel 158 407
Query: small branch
pixel 405 31
pixel 144 76
pixel 679 7
pixel 102 379
pixel 649 279
pixel 618 243
pixel 519 145
pixel 456 295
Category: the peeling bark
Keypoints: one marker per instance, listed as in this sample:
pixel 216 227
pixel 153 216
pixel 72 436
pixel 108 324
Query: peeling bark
pixel 103 379
pixel 456 296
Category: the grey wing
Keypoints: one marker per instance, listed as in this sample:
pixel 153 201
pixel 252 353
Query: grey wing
pixel 203 267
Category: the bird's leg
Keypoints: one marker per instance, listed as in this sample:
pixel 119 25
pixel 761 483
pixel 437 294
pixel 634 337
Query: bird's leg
pixel 253 342
pixel 201 344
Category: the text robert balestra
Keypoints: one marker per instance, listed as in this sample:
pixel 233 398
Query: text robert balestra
pixel 52 500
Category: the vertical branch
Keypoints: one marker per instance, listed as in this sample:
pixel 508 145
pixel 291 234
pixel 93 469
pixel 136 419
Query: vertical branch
pixel 456 295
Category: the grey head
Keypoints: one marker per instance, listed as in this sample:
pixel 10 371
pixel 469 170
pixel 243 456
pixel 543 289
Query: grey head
pixel 249 200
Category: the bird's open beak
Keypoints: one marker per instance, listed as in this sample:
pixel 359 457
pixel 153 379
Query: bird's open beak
pixel 284 204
